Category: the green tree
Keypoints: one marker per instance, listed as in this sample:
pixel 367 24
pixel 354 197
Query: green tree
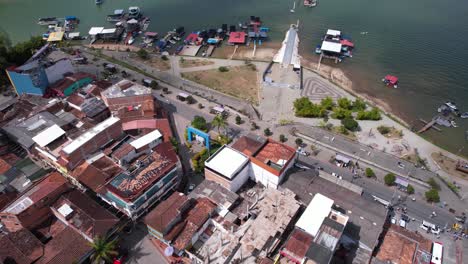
pixel 432 196
pixel 154 85
pixel 342 129
pixel 238 120
pixel 223 69
pixel 350 124
pixel 341 113
pixel 359 105
pixel 299 142
pixel 219 122
pixel 103 250
pixel 373 114
pixel 175 144
pixel 199 123
pixel 389 179
pixel 143 54
pixel 327 103
pixel 282 138
pixel 267 132
pixel 303 107
pixel 190 100
pixel 434 184
pixel 410 189
pixel 345 103
pixel 370 173
pixel 383 130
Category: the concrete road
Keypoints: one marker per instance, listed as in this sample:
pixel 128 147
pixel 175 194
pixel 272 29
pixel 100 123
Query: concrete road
pixel 140 249
pixel 416 209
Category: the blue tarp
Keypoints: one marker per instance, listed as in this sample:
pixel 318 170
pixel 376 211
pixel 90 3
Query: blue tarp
pixel 212 41
pixel 70 18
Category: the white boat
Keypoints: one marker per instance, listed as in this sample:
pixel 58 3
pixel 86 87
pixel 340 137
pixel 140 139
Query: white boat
pixel 294 7
pixel 131 40
pixel 464 115
pixel 45 21
pixel 134 11
pixel 453 123
pixel 451 105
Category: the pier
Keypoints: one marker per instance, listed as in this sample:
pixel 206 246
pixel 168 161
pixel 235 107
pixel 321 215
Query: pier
pixel 429 125
pixel 289 52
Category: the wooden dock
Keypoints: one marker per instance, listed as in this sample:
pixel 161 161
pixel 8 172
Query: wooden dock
pixel 429 125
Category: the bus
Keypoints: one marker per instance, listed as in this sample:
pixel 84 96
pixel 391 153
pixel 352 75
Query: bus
pixel 437 251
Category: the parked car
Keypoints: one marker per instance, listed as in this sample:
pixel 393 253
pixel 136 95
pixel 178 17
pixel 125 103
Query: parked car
pixel 191 187
pixel 301 151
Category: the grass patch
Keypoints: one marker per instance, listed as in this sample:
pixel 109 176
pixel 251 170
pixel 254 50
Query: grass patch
pixel 239 81
pixel 448 165
pixel 155 62
pixel 390 132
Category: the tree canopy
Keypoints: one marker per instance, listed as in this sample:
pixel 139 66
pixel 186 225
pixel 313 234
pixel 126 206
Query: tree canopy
pixel 199 123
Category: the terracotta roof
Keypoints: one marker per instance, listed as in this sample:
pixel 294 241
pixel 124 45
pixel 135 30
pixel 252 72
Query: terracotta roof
pixel 152 169
pixel 76 99
pixel 249 145
pixel 21 246
pixel 298 244
pixel 400 246
pixel 4 166
pixel 10 158
pixel 97 174
pixel 274 156
pixel 87 216
pixel 160 124
pixel 51 183
pixel 194 220
pixel 122 151
pixel 166 211
pixel 6 198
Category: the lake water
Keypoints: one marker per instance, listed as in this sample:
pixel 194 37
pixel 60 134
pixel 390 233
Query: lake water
pixel 423 42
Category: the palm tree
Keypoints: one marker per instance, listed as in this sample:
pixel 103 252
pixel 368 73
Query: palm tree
pixel 103 250
pixel 219 122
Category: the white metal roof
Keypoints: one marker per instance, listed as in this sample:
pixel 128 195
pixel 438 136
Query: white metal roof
pixel 95 30
pixel 227 161
pixel 73 34
pixel 108 31
pixel 88 135
pixel 132 21
pixel 331 46
pixel 146 139
pixel 312 218
pixel 65 210
pixel 333 32
pixel 48 135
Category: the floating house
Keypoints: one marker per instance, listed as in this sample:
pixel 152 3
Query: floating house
pixel 236 38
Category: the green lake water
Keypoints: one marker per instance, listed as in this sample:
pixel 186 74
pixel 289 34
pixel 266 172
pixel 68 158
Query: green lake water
pixel 423 42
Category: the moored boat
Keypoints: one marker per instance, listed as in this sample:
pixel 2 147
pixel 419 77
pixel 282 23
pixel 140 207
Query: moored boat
pixel 134 12
pixel 310 3
pixel 452 106
pixel 47 21
pixel 318 49
pixel 116 16
pixel 98 2
pixel 391 80
pixel 464 115
pixel 453 123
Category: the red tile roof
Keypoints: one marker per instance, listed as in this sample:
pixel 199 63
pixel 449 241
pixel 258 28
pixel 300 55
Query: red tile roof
pixel 131 185
pixel 278 153
pixel 21 246
pixel 160 124
pixel 4 166
pixel 97 174
pixel 122 151
pixel 298 244
pixel 248 145
pixel 76 99
pixel 237 37
pixel 87 216
pixel 50 184
pixel 166 211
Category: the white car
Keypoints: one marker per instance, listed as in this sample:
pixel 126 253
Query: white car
pixel 402 223
pixel 191 187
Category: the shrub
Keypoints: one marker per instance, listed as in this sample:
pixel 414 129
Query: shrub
pixel 200 106
pixel 345 103
pixel 370 173
pixel 383 130
pixel 165 90
pixel 164 58
pixel 359 105
pixel 389 179
pixel 175 144
pixel 343 130
pixel 434 185
pixel 341 113
pixel 143 54
pixel 410 189
pixel 329 126
pixel 190 100
pixel 198 160
pixel 299 142
pixel 327 103
pixel 267 132
pixel 238 120
pixel 282 138
pixel 154 85
pixel 303 107
pixel 432 196
pixel 373 114
pixel 199 122
pixel 223 69
pixel 350 124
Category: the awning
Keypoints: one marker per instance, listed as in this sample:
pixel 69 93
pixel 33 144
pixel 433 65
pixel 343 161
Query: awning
pixel 95 30
pixel 108 31
pixel 347 43
pixel 333 32
pixel 331 46
pixel 55 36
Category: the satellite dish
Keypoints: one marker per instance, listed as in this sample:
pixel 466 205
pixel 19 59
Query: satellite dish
pixel 169 251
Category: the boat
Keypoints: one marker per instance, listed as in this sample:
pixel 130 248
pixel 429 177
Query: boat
pixel 98 2
pixel 391 80
pixel 294 7
pixel 134 12
pixel 318 49
pixel 453 123
pixel 310 3
pixel 452 106
pixel 116 16
pixel 145 23
pixel 131 40
pixel 45 21
pixel 464 115
pixel 172 41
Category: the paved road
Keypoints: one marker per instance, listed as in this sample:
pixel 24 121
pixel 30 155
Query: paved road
pixel 380 160
pixel 416 209
pixel 141 249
